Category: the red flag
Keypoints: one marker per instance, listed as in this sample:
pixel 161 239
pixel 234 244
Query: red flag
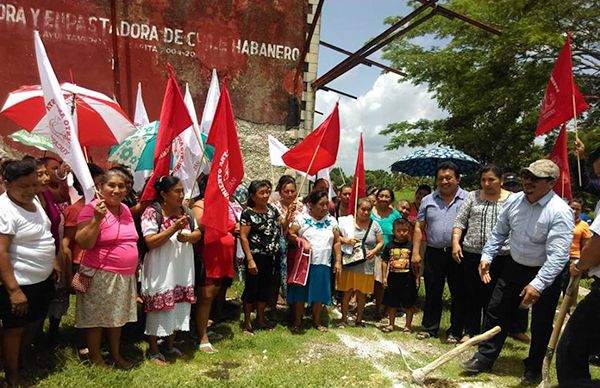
pixel 174 119
pixel 557 106
pixel 319 149
pixel 359 189
pixel 560 156
pixel 227 169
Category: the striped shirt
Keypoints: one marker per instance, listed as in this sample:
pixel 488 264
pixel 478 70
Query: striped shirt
pixel 478 216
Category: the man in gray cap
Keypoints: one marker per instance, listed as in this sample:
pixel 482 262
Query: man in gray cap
pixel 540 225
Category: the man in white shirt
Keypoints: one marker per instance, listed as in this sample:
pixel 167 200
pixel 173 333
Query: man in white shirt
pixel 540 225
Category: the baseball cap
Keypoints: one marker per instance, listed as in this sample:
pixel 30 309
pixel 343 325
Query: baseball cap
pixel 543 168
pixel 510 178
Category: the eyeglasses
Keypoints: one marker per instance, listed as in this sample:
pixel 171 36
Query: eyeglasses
pixel 533 178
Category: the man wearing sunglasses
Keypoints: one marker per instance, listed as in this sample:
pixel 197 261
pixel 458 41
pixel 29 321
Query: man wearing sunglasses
pixel 540 225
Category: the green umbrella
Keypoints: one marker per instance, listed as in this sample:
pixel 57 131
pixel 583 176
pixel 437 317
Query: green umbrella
pixel 31 139
pixel 137 150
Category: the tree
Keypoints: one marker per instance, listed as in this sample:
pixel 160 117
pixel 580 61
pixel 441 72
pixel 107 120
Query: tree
pixel 492 86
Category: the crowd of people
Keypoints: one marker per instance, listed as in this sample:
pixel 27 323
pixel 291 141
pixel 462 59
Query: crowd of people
pixel 503 249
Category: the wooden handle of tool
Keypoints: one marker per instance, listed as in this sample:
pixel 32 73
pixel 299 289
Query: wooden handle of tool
pixel 570 297
pixel 418 375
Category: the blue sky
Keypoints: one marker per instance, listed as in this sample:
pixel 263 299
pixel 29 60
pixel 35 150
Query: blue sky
pixel 350 24
pixel 382 98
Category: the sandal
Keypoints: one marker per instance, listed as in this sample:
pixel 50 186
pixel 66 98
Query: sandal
pixel 207 348
pixel 321 328
pixel 452 340
pixel 248 330
pixel 406 330
pixel 388 329
pixel 173 352
pixel 214 336
pixel 359 324
pixel 423 335
pixel 157 358
pixel 295 329
pixel 342 324
pixel 122 365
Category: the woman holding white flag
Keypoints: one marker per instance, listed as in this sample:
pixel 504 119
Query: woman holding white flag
pixel 105 282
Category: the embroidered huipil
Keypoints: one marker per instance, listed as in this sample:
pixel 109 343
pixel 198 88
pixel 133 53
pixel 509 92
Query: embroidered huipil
pixel 168 271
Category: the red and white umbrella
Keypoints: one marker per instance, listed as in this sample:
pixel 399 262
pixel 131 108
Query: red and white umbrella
pixel 100 120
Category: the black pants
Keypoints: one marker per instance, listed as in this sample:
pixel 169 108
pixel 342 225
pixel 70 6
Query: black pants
pixel 440 266
pixel 521 322
pixel 580 339
pixel 477 293
pixel 505 304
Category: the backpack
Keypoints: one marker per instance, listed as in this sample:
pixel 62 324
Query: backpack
pixel 142 247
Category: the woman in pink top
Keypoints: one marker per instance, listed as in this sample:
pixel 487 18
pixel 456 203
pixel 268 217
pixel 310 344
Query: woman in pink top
pixel 107 233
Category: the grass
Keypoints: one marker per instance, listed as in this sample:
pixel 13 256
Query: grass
pixel 406 193
pixel 277 359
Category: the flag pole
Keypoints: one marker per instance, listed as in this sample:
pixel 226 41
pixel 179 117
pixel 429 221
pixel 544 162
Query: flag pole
pixel 308 169
pixel 574 106
pixel 342 175
pixel 73 107
pixel 204 159
pixel 356 195
pixel 312 161
pixel 272 173
pixel 576 134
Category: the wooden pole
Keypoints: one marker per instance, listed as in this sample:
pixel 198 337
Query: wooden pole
pixel 272 174
pixel 569 299
pixel 356 196
pixel 87 158
pixel 309 167
pixel 342 175
pixel 576 133
pixel 418 375
pixel 204 159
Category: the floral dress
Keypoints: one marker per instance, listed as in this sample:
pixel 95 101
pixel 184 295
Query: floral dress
pixel 264 236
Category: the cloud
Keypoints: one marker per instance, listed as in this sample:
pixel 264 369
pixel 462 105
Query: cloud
pixel 388 101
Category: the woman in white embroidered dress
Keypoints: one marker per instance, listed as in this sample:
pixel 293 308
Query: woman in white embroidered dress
pixel 168 269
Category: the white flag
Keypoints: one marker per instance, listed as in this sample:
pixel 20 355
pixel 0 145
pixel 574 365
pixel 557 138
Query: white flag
pixel 188 151
pixel 62 130
pixel 141 116
pixel 276 151
pixel 324 173
pixel 210 106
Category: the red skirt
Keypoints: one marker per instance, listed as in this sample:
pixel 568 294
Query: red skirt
pixel 217 254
